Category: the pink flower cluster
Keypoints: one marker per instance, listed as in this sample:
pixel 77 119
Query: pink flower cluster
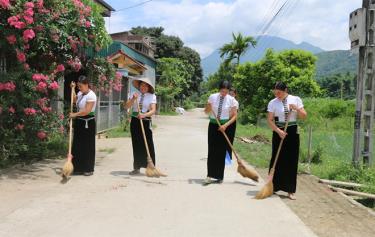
pixel 117 85
pixel 41 135
pixel 5 4
pixel 39 77
pixel 11 39
pixel 75 64
pixel 29 111
pixel 20 126
pixel 21 56
pixel 8 86
pixel 28 35
pixel 16 23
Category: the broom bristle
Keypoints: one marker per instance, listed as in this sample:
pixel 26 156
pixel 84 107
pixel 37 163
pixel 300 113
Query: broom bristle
pixel 68 167
pixel 265 192
pixel 248 172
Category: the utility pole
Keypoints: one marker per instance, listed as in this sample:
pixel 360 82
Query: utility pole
pixel 361 33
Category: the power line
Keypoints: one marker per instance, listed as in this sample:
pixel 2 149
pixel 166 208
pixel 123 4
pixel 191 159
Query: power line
pixel 133 6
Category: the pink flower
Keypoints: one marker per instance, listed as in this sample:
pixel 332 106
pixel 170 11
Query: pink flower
pixel 14 21
pixel 60 68
pixel 29 5
pixel 26 67
pixel 40 4
pixel 61 129
pixel 5 4
pixel 29 12
pixel 8 86
pixel 39 77
pixel 54 85
pixel 21 57
pixel 41 135
pixel 39 28
pixel 11 38
pixel 28 19
pixel 61 116
pixel 41 87
pixel 28 35
pixel 20 126
pixel 29 111
pixel 11 110
pixel 26 46
pixel 42 102
pixel 46 109
pixel 88 24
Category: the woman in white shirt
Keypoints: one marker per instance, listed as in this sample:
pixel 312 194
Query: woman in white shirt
pixel 225 107
pixel 146 100
pixel 280 109
pixel 83 149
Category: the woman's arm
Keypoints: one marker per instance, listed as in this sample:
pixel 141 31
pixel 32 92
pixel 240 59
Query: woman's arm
pixel 86 111
pixel 130 102
pixel 233 118
pixel 208 108
pixel 301 112
pixel 272 125
pixel 149 113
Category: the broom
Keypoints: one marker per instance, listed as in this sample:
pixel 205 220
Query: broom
pixel 267 190
pixel 242 169
pixel 68 166
pixel 151 170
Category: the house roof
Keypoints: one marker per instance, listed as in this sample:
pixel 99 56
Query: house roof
pixel 106 5
pixel 120 52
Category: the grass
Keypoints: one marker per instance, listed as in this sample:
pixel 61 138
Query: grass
pixel 331 149
pixel 107 150
pixel 118 132
pixel 168 113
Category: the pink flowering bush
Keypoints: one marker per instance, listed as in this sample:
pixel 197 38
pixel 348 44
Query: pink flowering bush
pixel 43 41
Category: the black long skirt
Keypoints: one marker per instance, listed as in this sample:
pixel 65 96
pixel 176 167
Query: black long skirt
pixel 217 149
pixel 285 178
pixel 83 149
pixel 139 148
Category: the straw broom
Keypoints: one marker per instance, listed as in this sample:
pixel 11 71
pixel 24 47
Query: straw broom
pixel 245 172
pixel 151 170
pixel 267 190
pixel 68 166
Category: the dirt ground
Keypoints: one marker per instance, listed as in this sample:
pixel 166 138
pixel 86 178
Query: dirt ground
pixel 328 213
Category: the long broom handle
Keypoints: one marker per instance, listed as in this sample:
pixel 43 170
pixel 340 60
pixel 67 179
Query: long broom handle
pixel 71 120
pixel 149 160
pixel 280 146
pixel 226 137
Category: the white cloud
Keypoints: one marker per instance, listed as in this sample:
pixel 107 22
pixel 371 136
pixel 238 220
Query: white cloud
pixel 206 25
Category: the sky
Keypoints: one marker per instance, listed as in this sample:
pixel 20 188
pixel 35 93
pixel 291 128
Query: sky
pixel 206 25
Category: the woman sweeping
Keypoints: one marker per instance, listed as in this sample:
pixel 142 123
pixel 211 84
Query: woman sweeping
pixel 225 108
pixel 146 100
pixel 285 107
pixel 83 149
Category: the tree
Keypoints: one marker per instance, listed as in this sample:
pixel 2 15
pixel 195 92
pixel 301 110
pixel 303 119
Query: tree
pixel 254 81
pixel 339 85
pixel 173 47
pixel 174 76
pixel 236 48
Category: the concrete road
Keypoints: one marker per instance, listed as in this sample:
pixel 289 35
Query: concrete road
pixel 111 203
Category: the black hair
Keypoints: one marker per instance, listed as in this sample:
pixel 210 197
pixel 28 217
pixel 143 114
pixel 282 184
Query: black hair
pixel 83 79
pixel 281 86
pixel 225 85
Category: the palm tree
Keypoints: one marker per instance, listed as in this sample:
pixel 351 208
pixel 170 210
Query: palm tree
pixel 237 47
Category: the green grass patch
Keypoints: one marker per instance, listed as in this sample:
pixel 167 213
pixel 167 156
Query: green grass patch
pixel 118 132
pixel 107 150
pixel 168 113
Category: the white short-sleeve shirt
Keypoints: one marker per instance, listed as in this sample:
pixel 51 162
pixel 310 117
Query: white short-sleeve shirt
pixel 83 99
pixel 276 107
pixel 148 100
pixel 228 103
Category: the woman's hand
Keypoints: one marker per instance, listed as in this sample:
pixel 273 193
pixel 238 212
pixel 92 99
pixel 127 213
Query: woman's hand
pixel 293 107
pixel 73 84
pixel 135 96
pixel 282 134
pixel 72 115
pixel 222 128
pixel 141 116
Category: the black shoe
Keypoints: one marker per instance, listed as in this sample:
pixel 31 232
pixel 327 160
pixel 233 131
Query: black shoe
pixel 88 173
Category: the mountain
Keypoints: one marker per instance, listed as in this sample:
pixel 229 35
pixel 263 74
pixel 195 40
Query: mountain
pixel 334 62
pixel 211 63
